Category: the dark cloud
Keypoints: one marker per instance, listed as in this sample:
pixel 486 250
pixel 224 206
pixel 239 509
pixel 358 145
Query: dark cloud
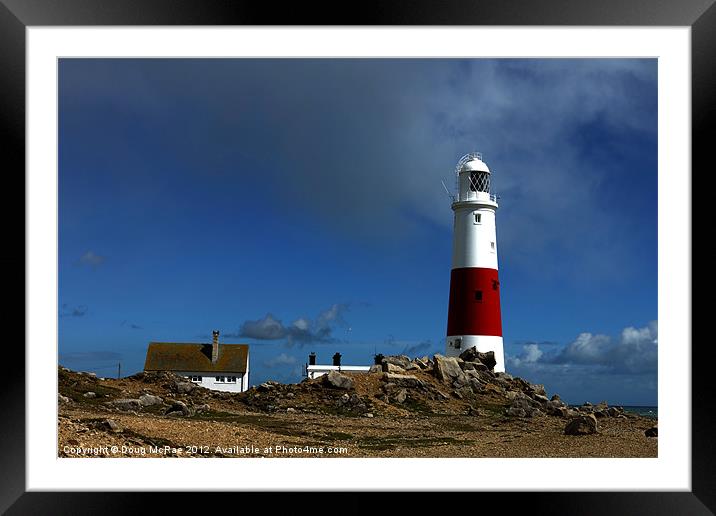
pixel 90 356
pixel 92 259
pixel 414 118
pixel 77 311
pixel 301 331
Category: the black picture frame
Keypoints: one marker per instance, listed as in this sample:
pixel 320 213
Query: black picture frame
pixel 17 15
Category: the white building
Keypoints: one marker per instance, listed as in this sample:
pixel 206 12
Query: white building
pixel 314 370
pixel 220 367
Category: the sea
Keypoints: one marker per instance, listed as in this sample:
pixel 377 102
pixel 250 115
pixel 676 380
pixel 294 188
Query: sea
pixel 640 410
pixel 652 412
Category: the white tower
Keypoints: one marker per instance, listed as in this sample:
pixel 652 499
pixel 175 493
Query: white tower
pixel 474 318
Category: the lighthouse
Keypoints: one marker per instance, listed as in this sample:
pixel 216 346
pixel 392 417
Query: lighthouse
pixel 474 319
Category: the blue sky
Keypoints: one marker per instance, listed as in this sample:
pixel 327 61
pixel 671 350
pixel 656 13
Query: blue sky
pixel 296 205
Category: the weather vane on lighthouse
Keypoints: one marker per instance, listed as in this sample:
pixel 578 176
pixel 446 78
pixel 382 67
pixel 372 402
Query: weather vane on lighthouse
pixel 474 319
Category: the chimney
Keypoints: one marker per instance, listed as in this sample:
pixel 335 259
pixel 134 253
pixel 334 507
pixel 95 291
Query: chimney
pixel 215 346
pixel 337 359
pixel 312 358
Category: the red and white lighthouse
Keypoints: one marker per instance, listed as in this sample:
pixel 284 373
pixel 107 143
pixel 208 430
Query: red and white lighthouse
pixel 474 313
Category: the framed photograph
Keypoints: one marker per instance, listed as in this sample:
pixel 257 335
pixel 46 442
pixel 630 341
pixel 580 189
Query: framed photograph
pixel 240 258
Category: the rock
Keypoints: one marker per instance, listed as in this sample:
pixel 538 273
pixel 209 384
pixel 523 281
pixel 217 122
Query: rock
pixel 343 400
pixel 473 366
pixel 126 404
pixel 557 401
pixel 411 366
pixel 540 399
pixel 538 389
pixel 446 368
pixel 473 355
pixel 465 392
pixel 368 414
pixel 613 412
pixel 461 381
pixel 402 380
pixel 422 363
pixel 89 394
pixel 601 413
pixel 530 407
pixel 184 387
pixel 290 395
pixel 476 385
pixel 265 387
pixel 203 408
pixel 516 412
pixel 112 425
pixel 147 400
pixel 505 376
pixel 337 380
pixel 397 360
pixel 652 432
pixel 553 408
pixel 401 396
pixel 181 408
pixel 62 399
pixel 290 409
pixel 581 425
pixel 392 368
pixel 376 368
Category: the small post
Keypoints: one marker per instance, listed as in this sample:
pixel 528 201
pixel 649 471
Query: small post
pixel 119 369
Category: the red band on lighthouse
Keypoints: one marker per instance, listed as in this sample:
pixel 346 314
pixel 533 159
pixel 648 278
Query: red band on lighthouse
pixel 474 302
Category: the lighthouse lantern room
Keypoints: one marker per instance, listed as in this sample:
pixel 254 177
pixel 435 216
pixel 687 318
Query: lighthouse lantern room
pixel 474 319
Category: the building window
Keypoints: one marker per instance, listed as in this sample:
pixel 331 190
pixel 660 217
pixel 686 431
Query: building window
pixel 457 343
pixel 225 379
pixel 478 218
pixel 478 296
pixel 195 379
pixel 492 245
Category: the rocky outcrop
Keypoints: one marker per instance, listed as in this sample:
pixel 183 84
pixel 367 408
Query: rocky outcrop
pixel 652 432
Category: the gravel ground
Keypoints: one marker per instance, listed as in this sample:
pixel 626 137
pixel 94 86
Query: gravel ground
pixel 246 434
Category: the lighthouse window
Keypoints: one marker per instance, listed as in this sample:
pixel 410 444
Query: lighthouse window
pixel 492 245
pixel 478 295
pixel 478 218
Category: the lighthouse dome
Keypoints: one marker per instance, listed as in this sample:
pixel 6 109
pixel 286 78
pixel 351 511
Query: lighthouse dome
pixel 474 165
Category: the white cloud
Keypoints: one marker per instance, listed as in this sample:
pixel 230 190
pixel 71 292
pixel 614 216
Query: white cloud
pixel 634 351
pixel 531 353
pixel 280 360
pixel 92 259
